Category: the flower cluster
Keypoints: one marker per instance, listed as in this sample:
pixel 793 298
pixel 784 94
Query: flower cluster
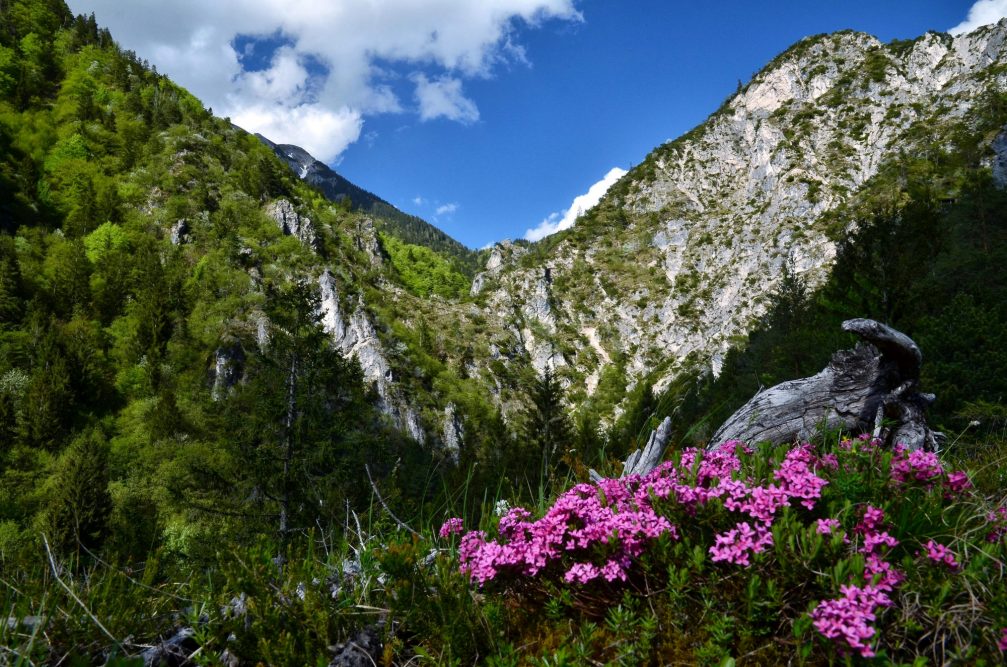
pixel 1002 644
pixel 614 517
pixel 827 526
pixel 735 546
pixel 998 518
pixel 451 527
pixel 847 620
pixel 595 532
pixel 598 530
pixel 941 554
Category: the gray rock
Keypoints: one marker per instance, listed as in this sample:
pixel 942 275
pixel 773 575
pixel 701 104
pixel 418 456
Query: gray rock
pixel 172 652
pixel 999 161
pixel 180 232
pixel 454 432
pixel 290 222
pixel 228 369
pixel 362 650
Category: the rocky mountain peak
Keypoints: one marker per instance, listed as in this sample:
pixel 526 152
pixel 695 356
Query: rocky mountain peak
pixel 682 255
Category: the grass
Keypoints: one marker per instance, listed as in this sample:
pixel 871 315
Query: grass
pixel 679 601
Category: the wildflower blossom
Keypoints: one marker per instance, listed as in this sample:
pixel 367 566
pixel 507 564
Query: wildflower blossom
pixel 848 619
pixel 1002 644
pixel 450 527
pixel 958 481
pixel 998 518
pixel 917 466
pixel 941 554
pixel 826 526
pixel 737 545
pixel 873 518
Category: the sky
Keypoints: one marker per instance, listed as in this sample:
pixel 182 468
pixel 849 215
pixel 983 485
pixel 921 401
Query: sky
pixel 491 119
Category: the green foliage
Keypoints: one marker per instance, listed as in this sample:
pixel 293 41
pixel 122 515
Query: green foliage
pixel 423 271
pixel 546 437
pixel 78 505
pixel 106 239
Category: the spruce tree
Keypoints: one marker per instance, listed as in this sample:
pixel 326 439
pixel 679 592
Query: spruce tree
pixel 547 425
pixel 78 506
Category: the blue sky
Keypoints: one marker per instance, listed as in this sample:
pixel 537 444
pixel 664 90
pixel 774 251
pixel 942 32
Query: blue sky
pixel 485 117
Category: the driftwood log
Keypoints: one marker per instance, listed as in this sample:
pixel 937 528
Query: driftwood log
pixel 871 388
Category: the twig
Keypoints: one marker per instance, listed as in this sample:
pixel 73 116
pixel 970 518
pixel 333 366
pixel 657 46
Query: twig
pixel 83 606
pixel 385 505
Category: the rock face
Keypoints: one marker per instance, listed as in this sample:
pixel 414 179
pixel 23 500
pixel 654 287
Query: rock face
pixel 453 432
pixel 998 163
pixel 289 222
pixel 681 256
pixel 180 232
pixel 228 369
pixel 356 338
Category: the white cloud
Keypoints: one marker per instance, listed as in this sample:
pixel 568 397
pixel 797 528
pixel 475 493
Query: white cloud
pixel 981 13
pixel 325 134
pixel 446 209
pixel 443 98
pixel 419 201
pixel 357 43
pixel 580 205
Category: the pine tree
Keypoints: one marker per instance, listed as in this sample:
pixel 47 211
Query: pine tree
pixel 547 425
pixel 79 504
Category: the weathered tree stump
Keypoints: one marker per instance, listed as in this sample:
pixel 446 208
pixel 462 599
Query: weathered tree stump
pixel 858 391
pixel 642 461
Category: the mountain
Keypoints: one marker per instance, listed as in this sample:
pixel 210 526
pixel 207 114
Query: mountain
pixel 689 252
pixel 684 254
pixel 409 228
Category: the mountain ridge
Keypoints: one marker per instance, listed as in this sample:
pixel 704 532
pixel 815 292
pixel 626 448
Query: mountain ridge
pixel 756 186
pixel 409 228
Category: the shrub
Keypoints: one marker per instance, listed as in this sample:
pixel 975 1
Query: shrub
pixel 832 550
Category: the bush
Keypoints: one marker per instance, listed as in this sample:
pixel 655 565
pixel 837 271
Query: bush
pixel 827 550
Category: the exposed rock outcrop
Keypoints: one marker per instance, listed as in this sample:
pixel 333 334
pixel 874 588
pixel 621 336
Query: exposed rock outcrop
pixel 228 369
pixel 290 222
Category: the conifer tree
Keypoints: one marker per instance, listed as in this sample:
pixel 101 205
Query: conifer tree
pixel 78 507
pixel 547 425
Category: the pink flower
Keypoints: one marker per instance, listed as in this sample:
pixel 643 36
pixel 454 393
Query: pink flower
pixel 827 526
pixel 958 481
pixel 452 526
pixel 581 573
pixel 873 517
pixel 735 546
pixel 918 466
pixel 1002 644
pixel 847 620
pixel 874 540
pixel 941 554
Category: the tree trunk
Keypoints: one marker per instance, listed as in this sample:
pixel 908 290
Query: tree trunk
pixel 876 379
pixel 288 447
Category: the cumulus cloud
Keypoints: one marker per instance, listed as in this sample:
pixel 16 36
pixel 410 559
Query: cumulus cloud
pixel 981 13
pixel 443 98
pixel 361 49
pixel 580 205
pixel 446 209
pixel 323 133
